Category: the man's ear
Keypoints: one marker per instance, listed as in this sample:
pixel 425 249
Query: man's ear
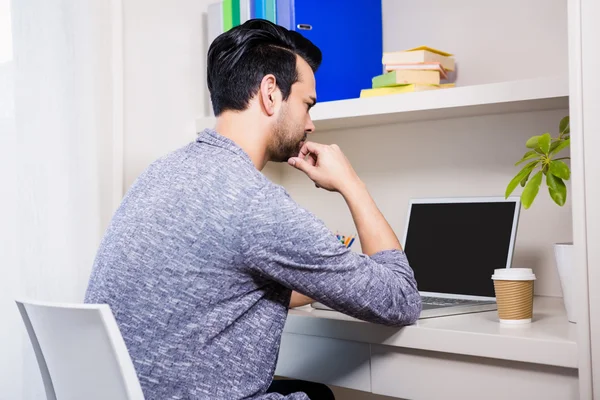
pixel 269 93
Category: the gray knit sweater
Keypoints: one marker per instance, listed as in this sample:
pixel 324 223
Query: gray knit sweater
pixel 198 265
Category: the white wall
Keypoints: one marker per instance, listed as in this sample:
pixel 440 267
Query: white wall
pixel 56 157
pixel 492 41
pixel 11 342
pixel 10 339
pixel 165 69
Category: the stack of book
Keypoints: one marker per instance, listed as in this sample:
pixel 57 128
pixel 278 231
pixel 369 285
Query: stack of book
pixel 413 70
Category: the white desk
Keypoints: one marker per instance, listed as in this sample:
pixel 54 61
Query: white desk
pixel 463 357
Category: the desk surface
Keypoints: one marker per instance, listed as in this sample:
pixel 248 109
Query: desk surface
pixel 550 339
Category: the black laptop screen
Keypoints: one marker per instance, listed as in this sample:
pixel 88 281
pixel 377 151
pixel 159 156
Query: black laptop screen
pixel 455 247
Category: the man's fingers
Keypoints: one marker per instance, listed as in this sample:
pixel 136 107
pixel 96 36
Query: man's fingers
pixel 311 148
pixel 301 164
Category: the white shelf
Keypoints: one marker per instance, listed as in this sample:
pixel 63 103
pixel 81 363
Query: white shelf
pixel 549 340
pixel 467 101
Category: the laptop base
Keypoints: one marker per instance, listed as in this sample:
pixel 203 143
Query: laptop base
pixel 433 311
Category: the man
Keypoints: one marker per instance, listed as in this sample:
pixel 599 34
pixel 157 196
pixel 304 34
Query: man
pixel 200 260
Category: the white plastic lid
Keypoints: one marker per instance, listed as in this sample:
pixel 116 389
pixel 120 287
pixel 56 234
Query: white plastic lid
pixel 513 274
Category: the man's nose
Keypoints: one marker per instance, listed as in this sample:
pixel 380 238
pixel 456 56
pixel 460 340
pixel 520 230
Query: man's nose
pixel 310 127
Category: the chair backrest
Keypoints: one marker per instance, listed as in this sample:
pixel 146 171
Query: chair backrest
pixel 80 352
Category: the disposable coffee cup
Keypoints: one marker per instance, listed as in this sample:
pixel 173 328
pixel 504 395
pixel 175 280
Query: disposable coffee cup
pixel 514 294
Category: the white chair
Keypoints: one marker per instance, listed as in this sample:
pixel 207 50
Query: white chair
pixel 80 352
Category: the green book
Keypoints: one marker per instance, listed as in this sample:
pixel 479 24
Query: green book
pixel 235 12
pixel 406 77
pixel 228 15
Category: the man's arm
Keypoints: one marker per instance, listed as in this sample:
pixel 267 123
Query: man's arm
pixel 299 300
pixel 289 245
pixel 374 231
pixel 293 247
pixel 329 168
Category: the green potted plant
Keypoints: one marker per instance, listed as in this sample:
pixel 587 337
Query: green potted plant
pixel 544 161
pixel 543 158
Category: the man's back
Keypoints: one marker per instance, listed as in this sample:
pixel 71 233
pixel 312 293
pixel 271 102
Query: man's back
pixel 198 266
pixel 193 319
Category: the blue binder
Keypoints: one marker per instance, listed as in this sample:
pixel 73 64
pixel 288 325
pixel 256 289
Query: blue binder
pixel 349 33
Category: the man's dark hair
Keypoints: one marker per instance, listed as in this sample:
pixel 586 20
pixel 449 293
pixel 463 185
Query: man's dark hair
pixel 239 59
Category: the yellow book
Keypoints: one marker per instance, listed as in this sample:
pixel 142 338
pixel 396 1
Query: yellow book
pixel 396 90
pixel 403 77
pixel 419 55
pixel 432 50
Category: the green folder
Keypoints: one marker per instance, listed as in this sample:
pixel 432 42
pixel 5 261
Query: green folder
pixel 231 14
pixel 388 79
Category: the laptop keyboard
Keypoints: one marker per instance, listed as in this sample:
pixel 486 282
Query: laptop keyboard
pixel 444 302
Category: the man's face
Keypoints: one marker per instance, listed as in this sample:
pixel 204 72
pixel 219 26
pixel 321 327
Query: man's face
pixel 293 122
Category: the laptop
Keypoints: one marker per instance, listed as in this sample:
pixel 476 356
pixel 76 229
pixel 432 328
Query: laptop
pixel 453 246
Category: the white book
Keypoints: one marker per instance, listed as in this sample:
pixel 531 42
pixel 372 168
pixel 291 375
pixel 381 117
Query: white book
pixel 215 21
pixel 245 10
pixel 430 66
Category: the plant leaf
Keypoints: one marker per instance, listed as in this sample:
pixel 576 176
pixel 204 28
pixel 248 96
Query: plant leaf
pixel 561 145
pixel 520 176
pixel 531 190
pixel 532 143
pixel 524 180
pixel 544 142
pixel 559 169
pixel 564 126
pixel 557 189
pixel 528 156
pixel 555 144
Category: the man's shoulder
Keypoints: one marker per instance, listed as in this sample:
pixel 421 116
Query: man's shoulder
pixel 270 192
pixel 197 160
pixel 273 204
pixel 219 171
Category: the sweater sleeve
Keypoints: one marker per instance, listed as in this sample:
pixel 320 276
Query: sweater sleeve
pixel 289 245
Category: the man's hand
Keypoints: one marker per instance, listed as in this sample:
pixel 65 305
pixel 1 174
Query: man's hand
pixel 299 300
pixel 327 166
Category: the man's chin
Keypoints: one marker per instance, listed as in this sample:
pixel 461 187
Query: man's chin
pixel 285 155
pixel 282 158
